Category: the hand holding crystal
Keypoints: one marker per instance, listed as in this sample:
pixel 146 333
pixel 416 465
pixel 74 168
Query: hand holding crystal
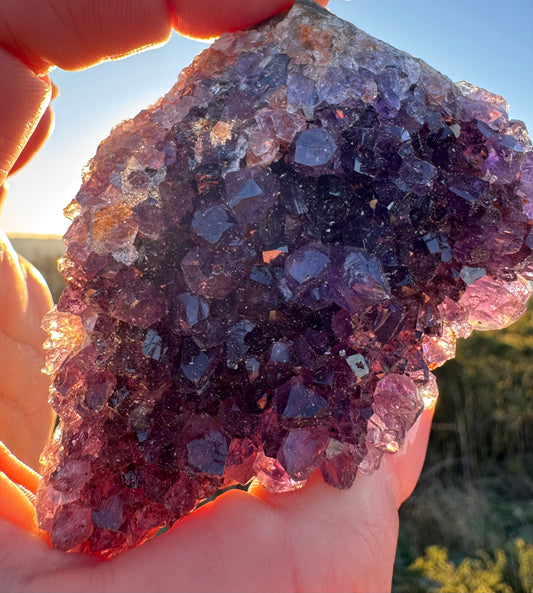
pixel 315 538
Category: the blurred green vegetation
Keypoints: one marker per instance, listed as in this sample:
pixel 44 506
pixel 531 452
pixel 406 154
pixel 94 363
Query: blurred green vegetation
pixel 469 525
pixel 486 573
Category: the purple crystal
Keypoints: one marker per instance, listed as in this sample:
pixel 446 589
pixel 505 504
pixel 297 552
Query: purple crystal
pixel 302 452
pixel 196 308
pixel 208 453
pixel 306 264
pixel 264 267
pixel 361 282
pixel 211 224
pixel 314 147
pixel 194 362
pixel 302 402
pixel 110 515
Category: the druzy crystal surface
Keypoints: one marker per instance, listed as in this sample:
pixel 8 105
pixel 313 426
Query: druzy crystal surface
pixel 264 267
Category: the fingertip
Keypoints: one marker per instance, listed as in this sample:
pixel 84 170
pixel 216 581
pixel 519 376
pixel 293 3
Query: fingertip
pixel 23 100
pixel 24 293
pixel 13 290
pixel 40 135
pixel 16 471
pixel 205 19
pixel 39 295
pixel 15 505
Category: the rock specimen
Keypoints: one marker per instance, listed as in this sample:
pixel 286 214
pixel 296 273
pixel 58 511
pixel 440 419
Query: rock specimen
pixel 264 267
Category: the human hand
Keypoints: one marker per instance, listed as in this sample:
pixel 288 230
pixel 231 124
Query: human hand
pixel 317 538
pixel 313 539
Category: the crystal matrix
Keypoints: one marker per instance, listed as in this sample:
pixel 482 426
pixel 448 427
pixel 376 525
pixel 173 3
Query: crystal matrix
pixel 264 267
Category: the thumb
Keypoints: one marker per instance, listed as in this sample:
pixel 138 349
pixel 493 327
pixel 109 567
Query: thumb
pixel 404 467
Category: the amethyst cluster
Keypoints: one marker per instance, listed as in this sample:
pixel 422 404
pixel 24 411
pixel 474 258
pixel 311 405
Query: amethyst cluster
pixel 264 267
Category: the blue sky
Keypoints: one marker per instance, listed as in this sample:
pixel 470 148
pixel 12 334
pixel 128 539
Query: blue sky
pixel 486 42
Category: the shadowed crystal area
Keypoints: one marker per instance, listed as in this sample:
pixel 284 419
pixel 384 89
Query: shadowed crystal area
pixel 264 267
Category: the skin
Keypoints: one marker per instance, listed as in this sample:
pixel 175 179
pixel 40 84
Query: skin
pixel 314 539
